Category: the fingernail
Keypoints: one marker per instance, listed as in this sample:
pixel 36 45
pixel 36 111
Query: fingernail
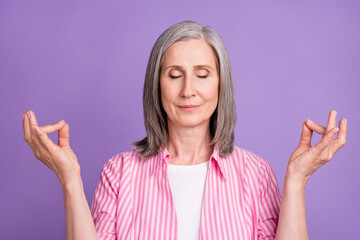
pixel 61 121
pixel 310 121
pixel 29 115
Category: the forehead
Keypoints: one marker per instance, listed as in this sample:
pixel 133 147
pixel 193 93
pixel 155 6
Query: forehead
pixel 192 51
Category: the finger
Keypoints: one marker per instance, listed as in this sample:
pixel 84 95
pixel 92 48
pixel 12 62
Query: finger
pixel 32 118
pixel 63 136
pixel 42 137
pixel 306 135
pixel 26 127
pixel 341 139
pixel 331 120
pixel 52 127
pixel 316 127
pixel 32 124
pixel 325 141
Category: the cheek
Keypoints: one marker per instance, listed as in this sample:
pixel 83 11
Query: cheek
pixel 210 93
pixel 164 96
pixel 170 89
pixel 167 96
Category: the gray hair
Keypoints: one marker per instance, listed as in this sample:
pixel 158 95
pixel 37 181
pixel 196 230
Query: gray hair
pixel 222 121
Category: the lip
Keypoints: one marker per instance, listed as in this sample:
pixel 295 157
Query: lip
pixel 189 108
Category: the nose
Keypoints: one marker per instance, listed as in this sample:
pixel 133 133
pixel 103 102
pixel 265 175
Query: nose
pixel 188 87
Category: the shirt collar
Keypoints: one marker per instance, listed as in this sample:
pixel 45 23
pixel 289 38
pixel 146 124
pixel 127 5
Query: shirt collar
pixel 163 156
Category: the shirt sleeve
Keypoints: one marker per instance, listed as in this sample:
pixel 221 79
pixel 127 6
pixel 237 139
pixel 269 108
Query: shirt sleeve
pixel 269 202
pixel 104 204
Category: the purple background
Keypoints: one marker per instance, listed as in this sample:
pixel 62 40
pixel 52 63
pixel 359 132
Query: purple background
pixel 85 62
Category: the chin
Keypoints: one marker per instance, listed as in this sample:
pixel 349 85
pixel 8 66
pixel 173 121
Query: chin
pixel 192 122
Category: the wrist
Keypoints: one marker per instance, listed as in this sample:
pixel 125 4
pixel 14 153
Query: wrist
pixel 294 179
pixel 69 175
pixel 71 183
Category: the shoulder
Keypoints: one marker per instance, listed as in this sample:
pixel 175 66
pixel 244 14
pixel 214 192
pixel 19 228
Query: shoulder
pixel 125 156
pixel 117 161
pixel 247 157
pixel 249 162
pixel 117 166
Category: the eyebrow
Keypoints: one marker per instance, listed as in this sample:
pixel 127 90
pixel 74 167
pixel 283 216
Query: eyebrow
pixel 180 67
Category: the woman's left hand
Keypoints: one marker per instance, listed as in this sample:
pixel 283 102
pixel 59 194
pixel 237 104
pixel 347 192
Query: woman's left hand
pixel 306 159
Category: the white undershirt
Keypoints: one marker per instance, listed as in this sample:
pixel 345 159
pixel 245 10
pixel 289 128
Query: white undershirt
pixel 187 184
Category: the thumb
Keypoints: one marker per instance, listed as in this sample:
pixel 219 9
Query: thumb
pixel 306 135
pixel 325 141
pixel 52 127
pixel 63 136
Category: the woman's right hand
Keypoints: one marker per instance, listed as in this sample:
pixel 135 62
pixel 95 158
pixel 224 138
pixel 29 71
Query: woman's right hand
pixel 59 158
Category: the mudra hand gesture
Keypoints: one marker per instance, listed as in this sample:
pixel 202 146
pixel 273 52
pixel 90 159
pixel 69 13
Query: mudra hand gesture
pixel 306 159
pixel 59 158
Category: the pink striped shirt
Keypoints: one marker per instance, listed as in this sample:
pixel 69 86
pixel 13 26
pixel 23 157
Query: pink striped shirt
pixel 133 198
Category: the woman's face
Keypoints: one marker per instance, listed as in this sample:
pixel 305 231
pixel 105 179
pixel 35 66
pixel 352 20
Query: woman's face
pixel 189 83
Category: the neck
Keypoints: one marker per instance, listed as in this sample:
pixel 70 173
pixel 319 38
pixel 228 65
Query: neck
pixel 189 145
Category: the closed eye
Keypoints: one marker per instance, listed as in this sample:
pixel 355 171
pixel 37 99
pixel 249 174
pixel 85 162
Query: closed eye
pixel 173 77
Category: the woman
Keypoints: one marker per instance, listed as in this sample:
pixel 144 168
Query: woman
pixel 185 179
